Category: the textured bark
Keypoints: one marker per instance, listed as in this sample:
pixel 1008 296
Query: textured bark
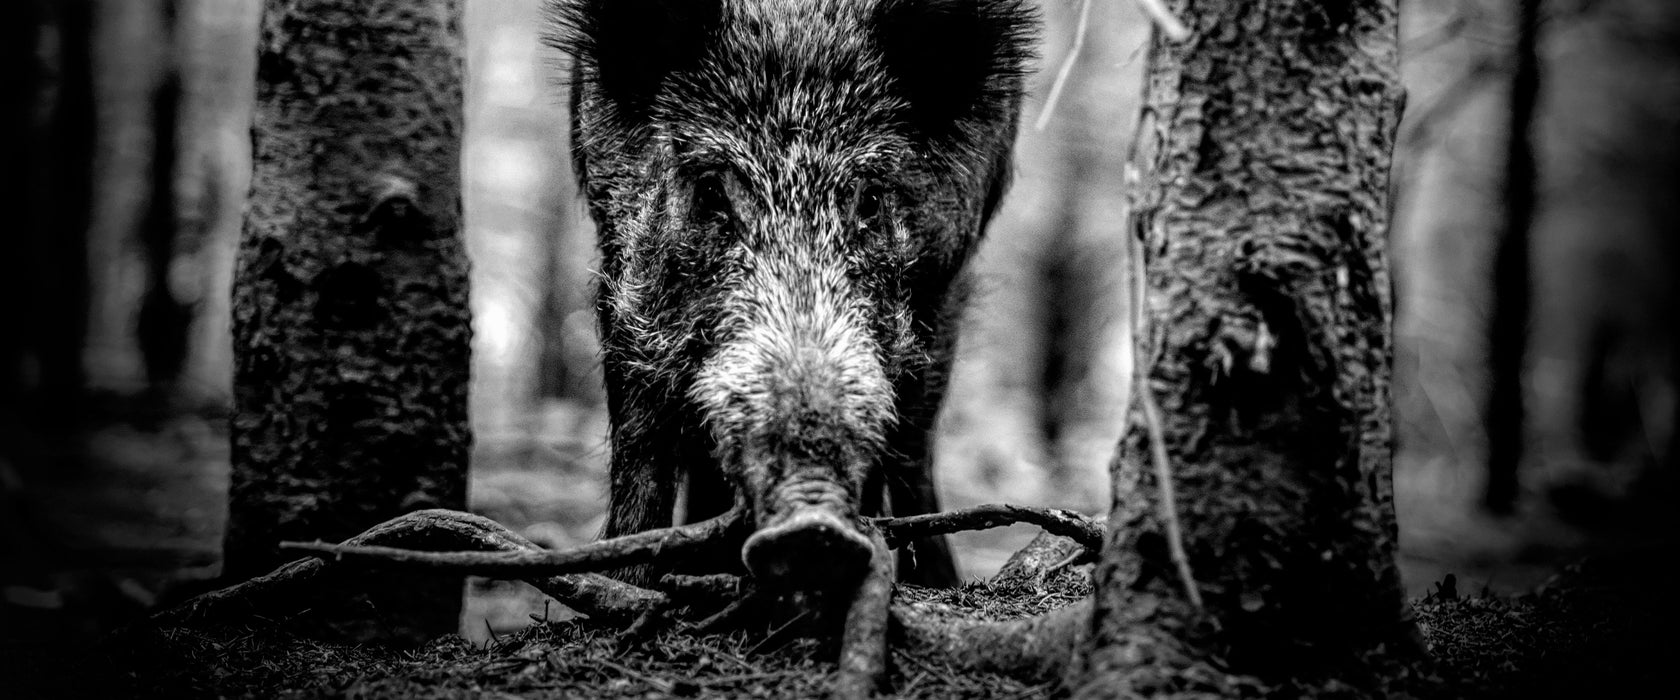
pixel 350 302
pixel 1512 285
pixel 1261 214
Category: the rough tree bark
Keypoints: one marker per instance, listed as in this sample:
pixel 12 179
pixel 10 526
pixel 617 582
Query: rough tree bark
pixel 350 302
pixel 1503 416
pixel 1261 215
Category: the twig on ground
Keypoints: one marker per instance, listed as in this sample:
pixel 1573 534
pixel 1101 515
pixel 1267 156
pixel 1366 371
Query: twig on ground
pixel 590 594
pixel 1065 523
pixel 734 615
pixel 629 550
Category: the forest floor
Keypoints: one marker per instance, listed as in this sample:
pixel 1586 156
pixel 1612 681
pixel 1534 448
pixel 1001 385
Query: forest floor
pixel 1604 627
pixel 146 515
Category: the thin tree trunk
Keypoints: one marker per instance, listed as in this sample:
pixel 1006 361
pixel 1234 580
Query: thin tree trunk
pixel 1512 286
pixel 350 303
pixel 164 320
pixel 1264 155
pixel 19 455
pixel 19 70
pixel 1065 299
pixel 57 313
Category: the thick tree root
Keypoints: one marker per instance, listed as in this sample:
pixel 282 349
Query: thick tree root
pixel 1034 648
pixel 591 594
pixel 1046 556
pixel 863 646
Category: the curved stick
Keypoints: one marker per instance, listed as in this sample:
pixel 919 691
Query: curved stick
pixel 629 550
pixel 590 594
pixel 863 647
pixel 1079 528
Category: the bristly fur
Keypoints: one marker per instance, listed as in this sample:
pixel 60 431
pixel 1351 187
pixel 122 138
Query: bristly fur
pixel 957 62
pixel 786 193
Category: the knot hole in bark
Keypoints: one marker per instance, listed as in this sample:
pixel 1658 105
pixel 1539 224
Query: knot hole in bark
pixel 394 215
pixel 1259 355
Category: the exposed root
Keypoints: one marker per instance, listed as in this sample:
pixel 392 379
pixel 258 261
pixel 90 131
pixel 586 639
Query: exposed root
pixel 629 550
pixel 1079 528
pixel 1045 556
pixel 863 647
pixel 1032 649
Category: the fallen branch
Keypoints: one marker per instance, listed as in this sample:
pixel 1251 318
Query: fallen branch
pixel 1037 647
pixel 629 550
pixel 596 596
pixel 1066 523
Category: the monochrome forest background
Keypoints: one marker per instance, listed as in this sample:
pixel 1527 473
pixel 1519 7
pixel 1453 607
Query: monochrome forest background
pixel 147 159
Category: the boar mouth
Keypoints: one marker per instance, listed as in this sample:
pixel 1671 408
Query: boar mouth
pixel 808 538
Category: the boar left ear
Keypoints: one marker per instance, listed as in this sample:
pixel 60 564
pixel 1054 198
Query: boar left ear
pixel 626 49
pixel 956 60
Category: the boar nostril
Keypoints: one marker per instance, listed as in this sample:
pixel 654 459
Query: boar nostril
pixel 811 548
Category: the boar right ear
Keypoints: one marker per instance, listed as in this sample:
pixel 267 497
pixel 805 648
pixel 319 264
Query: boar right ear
pixel 955 61
pixel 627 48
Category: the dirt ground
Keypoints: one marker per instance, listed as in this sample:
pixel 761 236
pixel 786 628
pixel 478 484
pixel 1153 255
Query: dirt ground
pixel 144 517
pixel 1601 628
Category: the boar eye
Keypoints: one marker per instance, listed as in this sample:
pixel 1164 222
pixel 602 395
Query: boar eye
pixel 868 203
pixel 711 198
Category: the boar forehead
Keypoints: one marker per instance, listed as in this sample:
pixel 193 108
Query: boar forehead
pixel 789 87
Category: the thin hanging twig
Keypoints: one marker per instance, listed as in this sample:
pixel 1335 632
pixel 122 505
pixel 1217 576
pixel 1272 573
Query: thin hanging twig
pixel 1067 66
pixel 1163 18
pixel 1146 394
pixel 1169 495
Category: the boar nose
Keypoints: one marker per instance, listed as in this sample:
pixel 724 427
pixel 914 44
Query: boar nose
pixel 809 538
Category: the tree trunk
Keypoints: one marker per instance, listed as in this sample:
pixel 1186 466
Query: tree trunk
pixel 350 303
pixel 1261 215
pixel 57 264
pixel 164 320
pixel 1508 328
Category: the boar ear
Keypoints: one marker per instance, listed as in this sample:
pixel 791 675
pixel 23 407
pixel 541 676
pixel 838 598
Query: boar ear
pixel 627 48
pixel 956 60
